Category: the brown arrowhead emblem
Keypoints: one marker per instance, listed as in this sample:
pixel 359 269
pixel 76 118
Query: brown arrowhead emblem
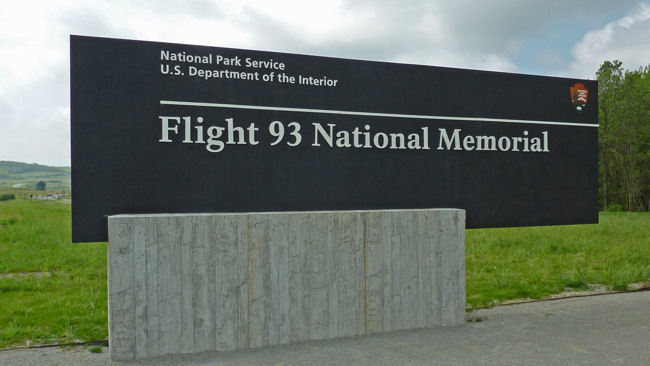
pixel 579 95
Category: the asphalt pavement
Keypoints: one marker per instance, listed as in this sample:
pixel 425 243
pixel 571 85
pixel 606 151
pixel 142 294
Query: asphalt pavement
pixel 611 329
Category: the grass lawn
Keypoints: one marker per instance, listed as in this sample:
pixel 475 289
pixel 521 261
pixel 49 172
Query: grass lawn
pixel 52 291
pixel 534 262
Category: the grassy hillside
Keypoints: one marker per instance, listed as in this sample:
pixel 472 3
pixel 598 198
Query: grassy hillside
pixel 23 177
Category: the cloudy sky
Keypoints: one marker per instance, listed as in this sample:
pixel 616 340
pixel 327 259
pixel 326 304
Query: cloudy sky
pixel 553 37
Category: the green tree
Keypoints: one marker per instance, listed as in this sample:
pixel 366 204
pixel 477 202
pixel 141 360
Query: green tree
pixel 643 134
pixel 40 186
pixel 609 77
pixel 624 136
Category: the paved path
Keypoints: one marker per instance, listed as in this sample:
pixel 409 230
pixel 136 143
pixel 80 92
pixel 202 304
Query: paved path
pixel 595 330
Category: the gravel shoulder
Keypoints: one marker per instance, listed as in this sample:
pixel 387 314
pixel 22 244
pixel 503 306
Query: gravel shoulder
pixel 51 356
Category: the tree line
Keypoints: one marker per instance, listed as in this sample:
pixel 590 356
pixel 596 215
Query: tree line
pixel 624 137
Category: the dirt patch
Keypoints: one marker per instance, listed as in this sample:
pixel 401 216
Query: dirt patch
pixel 36 275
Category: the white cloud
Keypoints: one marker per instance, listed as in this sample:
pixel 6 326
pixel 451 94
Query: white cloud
pixel 34 36
pixel 626 39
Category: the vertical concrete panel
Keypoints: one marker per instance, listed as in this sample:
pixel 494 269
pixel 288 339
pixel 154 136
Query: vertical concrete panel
pixel 202 320
pixel 318 274
pixel 374 272
pixel 345 305
pixel 427 267
pixel 460 266
pixel 140 278
pixel 297 227
pixel 333 316
pixel 397 272
pixel 211 253
pixel 121 305
pixel 436 268
pixel 187 237
pixel 227 282
pixel 242 338
pixel 409 295
pixel 193 283
pixel 259 280
pixel 168 232
pixel 423 260
pixel 152 280
pixel 405 299
pixel 386 257
pixel 361 273
pixel 278 269
pixel 449 271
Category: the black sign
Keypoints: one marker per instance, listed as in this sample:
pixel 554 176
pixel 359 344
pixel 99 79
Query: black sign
pixel 170 128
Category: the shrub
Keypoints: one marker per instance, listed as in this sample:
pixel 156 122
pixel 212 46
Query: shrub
pixel 7 197
pixel 615 208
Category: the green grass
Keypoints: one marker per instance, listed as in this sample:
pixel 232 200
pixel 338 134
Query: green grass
pixel 56 292
pixel 95 349
pixel 53 291
pixel 534 262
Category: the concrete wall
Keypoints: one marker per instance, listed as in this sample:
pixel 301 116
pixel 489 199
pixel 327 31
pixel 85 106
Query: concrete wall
pixel 214 282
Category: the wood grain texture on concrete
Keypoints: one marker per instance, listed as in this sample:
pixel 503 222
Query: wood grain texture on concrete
pixel 189 283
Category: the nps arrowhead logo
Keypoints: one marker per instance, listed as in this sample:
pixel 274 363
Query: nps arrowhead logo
pixel 579 96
